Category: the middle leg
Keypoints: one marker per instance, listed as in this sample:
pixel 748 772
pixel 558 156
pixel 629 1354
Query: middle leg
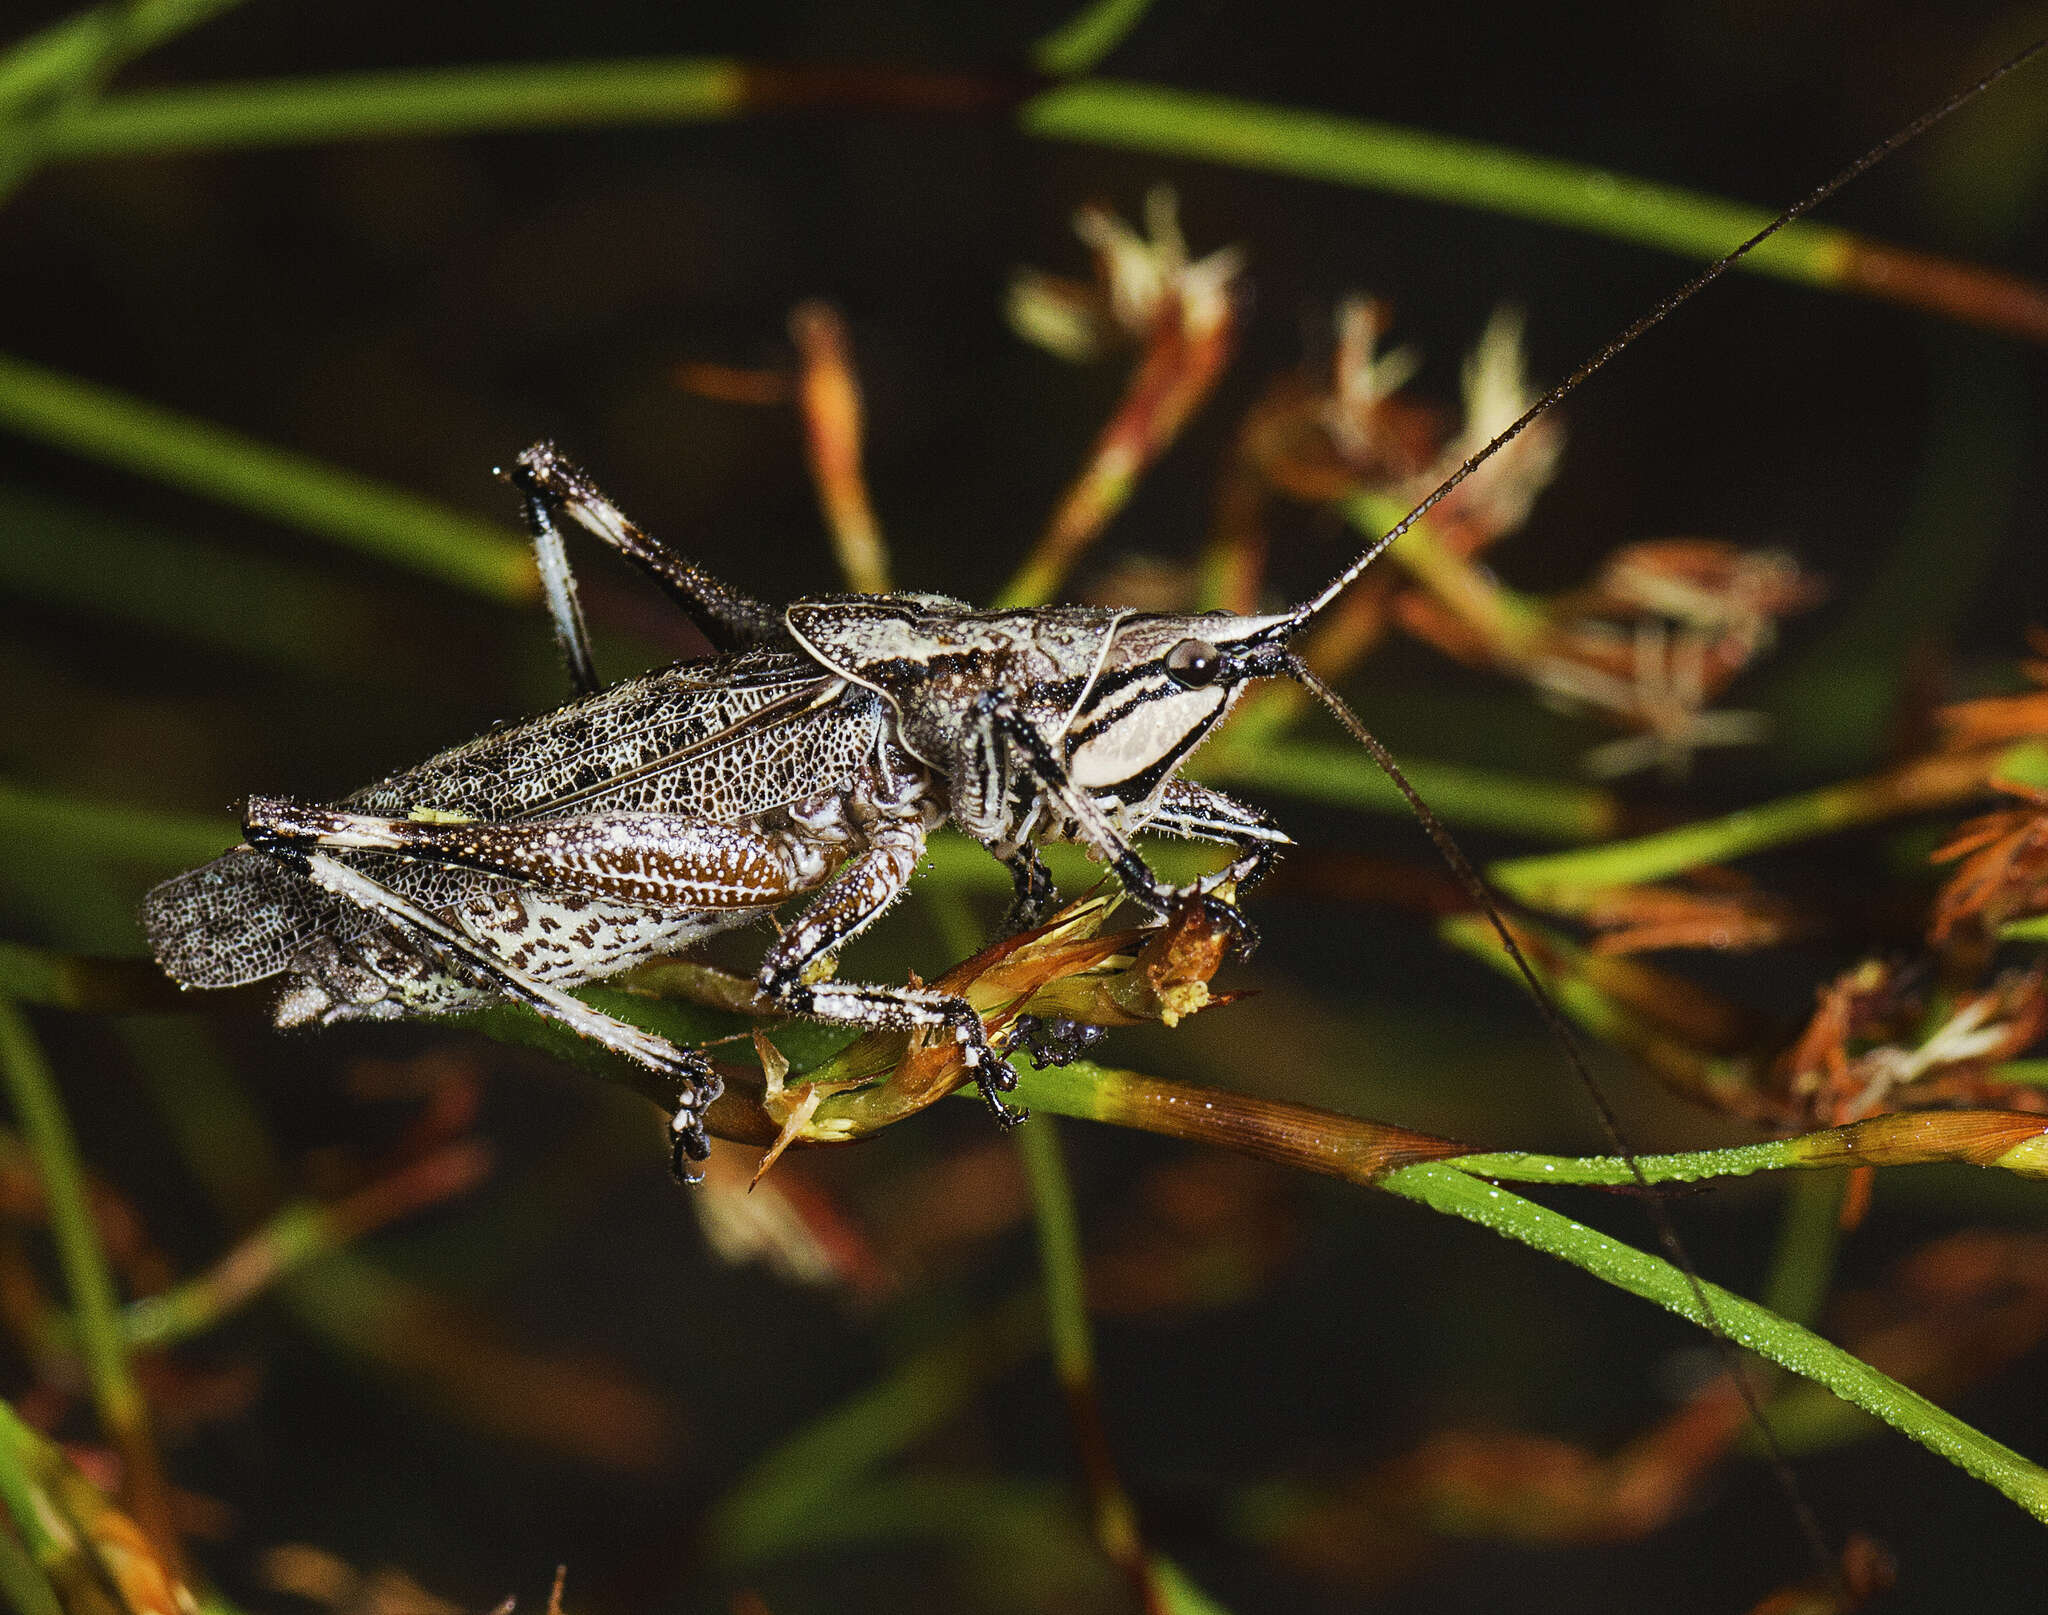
pixel 872 880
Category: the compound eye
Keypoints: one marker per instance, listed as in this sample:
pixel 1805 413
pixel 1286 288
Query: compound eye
pixel 1194 663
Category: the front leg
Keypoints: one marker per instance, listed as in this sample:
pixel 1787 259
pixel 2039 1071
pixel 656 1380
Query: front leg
pixel 870 882
pixel 1200 814
pixel 1049 774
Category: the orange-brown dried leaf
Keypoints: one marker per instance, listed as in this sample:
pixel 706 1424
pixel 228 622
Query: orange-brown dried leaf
pixel 1209 1230
pixel 1641 919
pixel 2002 873
pixel 94 1554
pixel 1869 1047
pixel 1864 1571
pixel 1707 582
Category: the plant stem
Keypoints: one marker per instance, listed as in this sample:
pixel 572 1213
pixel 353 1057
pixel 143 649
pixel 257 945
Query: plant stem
pixel 1445 1187
pixel 1141 117
pixel 1809 1235
pixel 1464 173
pixel 406 102
pixel 93 40
pixel 1080 43
pixel 767 1511
pixel 71 826
pixel 1064 1277
pixel 23 1585
pixel 1563 881
pixel 116 1395
pixel 1485 798
pixel 216 463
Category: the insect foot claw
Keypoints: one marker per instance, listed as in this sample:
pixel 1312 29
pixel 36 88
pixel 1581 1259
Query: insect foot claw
pixel 1228 919
pixel 689 1141
pixel 1054 1039
pixel 690 1144
pixel 1005 1116
pixel 991 1072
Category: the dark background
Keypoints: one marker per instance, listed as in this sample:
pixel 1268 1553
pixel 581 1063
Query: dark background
pixel 418 311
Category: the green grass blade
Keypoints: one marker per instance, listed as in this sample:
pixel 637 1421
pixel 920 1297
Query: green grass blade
pixel 1444 1187
pixel 272 611
pixel 1437 168
pixel 73 827
pixel 56 57
pixel 402 528
pixel 1483 798
pixel 1080 43
pixel 392 105
pixel 766 1512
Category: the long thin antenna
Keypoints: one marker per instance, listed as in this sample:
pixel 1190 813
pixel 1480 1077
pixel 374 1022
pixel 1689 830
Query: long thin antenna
pixel 1657 315
pixel 1484 898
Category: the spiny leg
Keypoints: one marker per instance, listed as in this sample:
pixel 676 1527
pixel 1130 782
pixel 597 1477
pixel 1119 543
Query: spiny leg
pixel 662 862
pixel 558 586
pixel 1200 814
pixel 870 882
pixel 697 1084
pixel 655 860
pixel 729 619
pixel 1144 888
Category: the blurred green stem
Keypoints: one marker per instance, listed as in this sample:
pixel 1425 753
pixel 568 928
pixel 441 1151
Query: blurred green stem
pixel 70 826
pixel 767 1511
pixel 1449 1188
pixel 97 1305
pixel 1080 43
pixel 1140 117
pixel 1809 1235
pixel 44 1540
pixel 22 1583
pixel 61 70
pixel 1562 882
pixel 1064 1276
pixel 1484 798
pixel 211 461
pixel 50 60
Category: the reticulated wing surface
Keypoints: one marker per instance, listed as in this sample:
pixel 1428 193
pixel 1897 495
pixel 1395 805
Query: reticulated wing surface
pixel 723 739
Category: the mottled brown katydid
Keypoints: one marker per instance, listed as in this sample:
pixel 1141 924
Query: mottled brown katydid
pixel 810 757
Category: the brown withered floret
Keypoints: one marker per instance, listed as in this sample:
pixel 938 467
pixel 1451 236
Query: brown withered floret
pixel 1874 1044
pixel 2002 869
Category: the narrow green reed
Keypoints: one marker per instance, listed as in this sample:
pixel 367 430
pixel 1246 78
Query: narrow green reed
pixel 216 463
pixel 76 827
pixel 1802 1269
pixel 88 1277
pixel 1064 1277
pixel 1438 168
pixel 404 103
pixel 96 40
pixel 1484 798
pixel 24 1587
pixel 1614 1171
pixel 1080 43
pixel 1448 1188
pixel 1558 880
pixel 769 1510
pixel 1130 116
pixel 40 1539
